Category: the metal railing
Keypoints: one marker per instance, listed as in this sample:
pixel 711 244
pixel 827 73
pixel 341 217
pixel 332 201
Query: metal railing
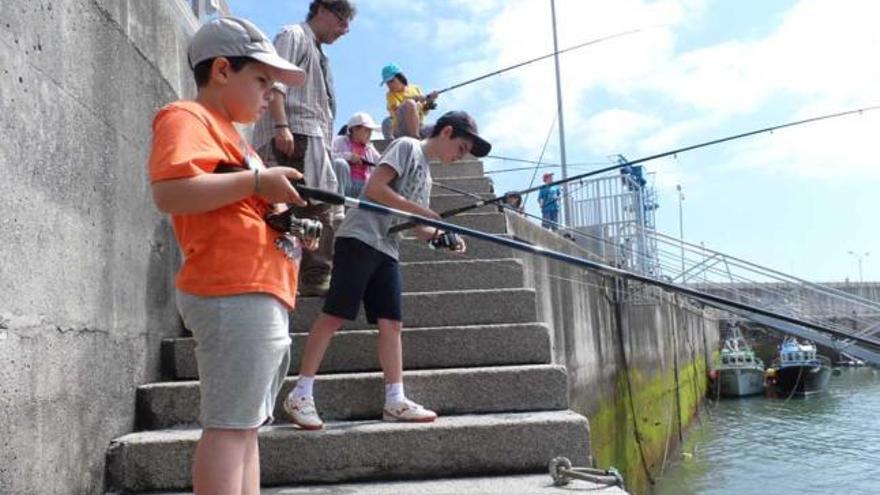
pixel 613 214
pixel 614 219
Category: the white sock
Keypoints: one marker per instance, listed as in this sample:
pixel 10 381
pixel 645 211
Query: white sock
pixel 394 393
pixel 304 386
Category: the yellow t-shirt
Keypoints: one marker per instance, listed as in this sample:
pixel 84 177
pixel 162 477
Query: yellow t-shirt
pixel 395 98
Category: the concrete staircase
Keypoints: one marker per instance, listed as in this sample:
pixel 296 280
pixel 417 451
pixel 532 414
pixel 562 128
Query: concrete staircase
pixel 473 352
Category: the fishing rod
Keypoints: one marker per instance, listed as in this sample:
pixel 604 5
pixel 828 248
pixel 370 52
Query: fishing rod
pixel 536 162
pixel 537 166
pixel 338 199
pixel 462 209
pixel 560 52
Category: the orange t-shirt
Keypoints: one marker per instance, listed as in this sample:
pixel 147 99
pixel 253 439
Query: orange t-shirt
pixel 230 250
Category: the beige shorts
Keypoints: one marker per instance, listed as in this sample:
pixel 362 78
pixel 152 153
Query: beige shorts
pixel 243 354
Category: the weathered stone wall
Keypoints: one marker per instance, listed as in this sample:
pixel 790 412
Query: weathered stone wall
pixel 637 366
pixel 86 260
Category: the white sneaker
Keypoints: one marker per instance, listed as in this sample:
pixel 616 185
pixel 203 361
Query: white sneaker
pixel 407 411
pixel 302 412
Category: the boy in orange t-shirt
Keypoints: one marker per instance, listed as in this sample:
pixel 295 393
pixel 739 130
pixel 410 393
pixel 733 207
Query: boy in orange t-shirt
pixel 238 279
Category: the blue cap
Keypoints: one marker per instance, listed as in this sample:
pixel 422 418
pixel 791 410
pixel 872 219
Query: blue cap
pixel 388 73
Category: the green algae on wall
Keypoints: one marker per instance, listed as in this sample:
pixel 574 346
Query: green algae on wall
pixel 614 432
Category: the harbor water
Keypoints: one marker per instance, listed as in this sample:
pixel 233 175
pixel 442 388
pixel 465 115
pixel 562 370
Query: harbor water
pixel 824 444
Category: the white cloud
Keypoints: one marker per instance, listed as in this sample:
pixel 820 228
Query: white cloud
pixel 408 7
pixel 453 33
pixel 818 58
pixel 613 130
pixel 844 149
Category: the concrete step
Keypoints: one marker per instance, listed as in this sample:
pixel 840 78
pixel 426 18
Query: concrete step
pixel 453 446
pixel 353 396
pixel 427 276
pixel 439 309
pixel 523 484
pixel 463 168
pixel 412 249
pixel 473 185
pixel 424 348
pixel 444 200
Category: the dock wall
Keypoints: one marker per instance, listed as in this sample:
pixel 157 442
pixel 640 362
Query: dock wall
pixel 87 261
pixel 636 358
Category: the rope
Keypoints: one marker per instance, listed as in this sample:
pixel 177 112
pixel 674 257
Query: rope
pixel 618 324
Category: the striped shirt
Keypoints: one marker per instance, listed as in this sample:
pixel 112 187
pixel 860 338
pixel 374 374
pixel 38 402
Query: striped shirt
pixel 308 107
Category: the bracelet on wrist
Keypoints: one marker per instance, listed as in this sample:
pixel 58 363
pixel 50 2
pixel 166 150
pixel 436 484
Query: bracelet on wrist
pixel 282 126
pixel 256 181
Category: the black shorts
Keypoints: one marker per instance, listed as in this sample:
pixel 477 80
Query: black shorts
pixel 362 273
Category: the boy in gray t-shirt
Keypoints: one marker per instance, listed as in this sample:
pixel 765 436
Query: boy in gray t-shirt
pixel 365 266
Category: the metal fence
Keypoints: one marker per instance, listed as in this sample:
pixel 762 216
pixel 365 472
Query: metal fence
pixel 612 216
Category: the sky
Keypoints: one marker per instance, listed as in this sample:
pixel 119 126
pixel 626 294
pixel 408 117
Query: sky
pixel 797 200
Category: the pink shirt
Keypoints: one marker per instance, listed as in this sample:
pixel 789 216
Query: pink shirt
pixel 345 148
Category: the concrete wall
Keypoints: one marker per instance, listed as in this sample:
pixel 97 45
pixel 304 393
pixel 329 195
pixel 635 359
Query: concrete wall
pixel 86 260
pixel 637 369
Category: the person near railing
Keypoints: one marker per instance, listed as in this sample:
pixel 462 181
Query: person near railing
pixel 548 199
pixel 514 201
pixel 298 129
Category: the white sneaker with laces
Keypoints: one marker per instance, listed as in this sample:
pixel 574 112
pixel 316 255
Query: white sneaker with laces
pixel 302 412
pixel 407 411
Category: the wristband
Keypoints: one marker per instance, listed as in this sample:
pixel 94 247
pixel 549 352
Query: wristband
pixel 256 181
pixel 282 126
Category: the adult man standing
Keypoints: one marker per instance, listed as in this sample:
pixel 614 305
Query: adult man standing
pixel 297 131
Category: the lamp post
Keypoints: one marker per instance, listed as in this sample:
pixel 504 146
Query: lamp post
pixel 566 201
pixel 860 257
pixel 681 227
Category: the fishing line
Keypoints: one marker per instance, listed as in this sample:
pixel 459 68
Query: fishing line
pixel 362 204
pixel 461 209
pixel 552 54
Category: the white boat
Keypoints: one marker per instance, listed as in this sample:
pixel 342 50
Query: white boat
pixel 739 371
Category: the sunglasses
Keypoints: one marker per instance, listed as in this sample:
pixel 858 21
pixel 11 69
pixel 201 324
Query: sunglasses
pixel 343 21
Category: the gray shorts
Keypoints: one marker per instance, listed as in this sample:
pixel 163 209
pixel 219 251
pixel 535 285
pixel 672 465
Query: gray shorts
pixel 243 355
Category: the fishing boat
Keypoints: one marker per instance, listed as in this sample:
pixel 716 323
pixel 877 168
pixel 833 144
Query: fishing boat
pixel 739 372
pixel 799 370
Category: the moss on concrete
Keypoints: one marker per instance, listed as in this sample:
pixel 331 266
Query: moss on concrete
pixel 612 429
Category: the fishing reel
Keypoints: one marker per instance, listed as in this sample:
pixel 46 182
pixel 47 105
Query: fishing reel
pixel 447 240
pixel 305 229
pixel 431 102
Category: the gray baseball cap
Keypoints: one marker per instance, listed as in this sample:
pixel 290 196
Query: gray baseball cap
pixel 237 37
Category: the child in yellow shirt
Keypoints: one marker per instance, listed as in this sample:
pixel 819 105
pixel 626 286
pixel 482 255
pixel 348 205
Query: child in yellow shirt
pixel 406 104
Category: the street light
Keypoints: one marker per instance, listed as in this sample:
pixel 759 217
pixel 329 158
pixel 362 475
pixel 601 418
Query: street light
pixel 681 227
pixel 860 257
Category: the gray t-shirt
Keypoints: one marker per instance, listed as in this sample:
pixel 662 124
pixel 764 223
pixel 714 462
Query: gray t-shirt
pixel 413 182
